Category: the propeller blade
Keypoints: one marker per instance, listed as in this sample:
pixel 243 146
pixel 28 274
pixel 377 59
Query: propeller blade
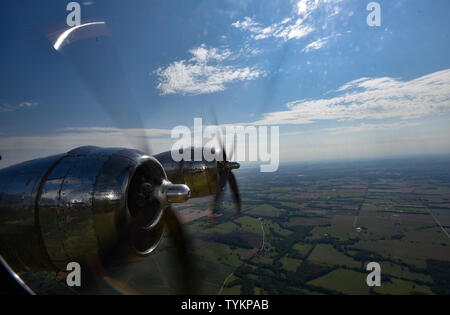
pixel 219 136
pixel 225 174
pixel 235 191
pixel 219 192
pixel 178 238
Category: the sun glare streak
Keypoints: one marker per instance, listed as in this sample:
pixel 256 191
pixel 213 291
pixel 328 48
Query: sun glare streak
pixel 67 33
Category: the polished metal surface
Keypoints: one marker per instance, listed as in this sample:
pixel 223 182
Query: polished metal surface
pixel 177 193
pixel 168 193
pixel 15 276
pixel 60 209
pixel 200 177
pixel 21 242
pixel 104 202
pixel 113 209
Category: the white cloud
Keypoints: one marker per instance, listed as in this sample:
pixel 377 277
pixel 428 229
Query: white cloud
pixel 320 43
pixel 376 99
pixel 316 45
pixel 297 26
pixel 305 7
pixel 288 29
pixel 364 127
pixel 204 73
pixel 294 31
pixel 247 24
pixel 6 108
pixel 203 55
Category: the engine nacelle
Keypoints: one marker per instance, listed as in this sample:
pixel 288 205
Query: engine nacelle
pixel 200 176
pixel 64 208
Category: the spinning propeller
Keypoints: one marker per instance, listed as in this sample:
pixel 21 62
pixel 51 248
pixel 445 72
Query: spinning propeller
pixel 225 175
pixel 91 51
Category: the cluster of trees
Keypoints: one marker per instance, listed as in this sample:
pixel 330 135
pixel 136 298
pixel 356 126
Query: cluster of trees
pixel 285 245
pixel 364 255
pixel 308 271
pixel 234 241
pixel 269 278
pixel 273 279
pixel 440 273
pixel 398 236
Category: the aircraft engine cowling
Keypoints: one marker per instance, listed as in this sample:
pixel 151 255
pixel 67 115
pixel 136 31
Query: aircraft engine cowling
pixel 73 206
pixel 201 176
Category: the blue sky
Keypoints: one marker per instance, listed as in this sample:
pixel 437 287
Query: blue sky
pixel 336 87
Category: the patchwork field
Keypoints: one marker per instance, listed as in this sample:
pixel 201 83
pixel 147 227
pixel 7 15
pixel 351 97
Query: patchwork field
pixel 315 233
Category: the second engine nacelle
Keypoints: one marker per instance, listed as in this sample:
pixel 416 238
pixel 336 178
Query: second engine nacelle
pixel 200 176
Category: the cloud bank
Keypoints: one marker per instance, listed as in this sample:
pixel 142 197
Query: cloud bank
pixel 7 108
pixel 371 99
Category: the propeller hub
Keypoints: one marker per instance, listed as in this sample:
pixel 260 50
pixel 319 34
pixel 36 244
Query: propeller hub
pixel 177 193
pixel 227 165
pixel 168 193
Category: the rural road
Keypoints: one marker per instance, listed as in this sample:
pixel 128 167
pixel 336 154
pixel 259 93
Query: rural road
pixel 262 247
pixel 225 282
pixel 439 223
pixel 263 234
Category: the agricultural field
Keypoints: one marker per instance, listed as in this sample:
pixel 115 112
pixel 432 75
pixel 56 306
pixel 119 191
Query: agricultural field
pixel 316 233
